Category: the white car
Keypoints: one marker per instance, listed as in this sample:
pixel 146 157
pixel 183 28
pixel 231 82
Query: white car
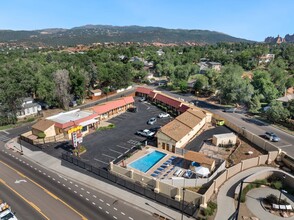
pixel 145 133
pixel 163 115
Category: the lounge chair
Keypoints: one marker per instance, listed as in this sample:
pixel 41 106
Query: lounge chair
pixel 160 168
pixel 173 157
pixel 157 172
pixel 154 174
pixel 164 166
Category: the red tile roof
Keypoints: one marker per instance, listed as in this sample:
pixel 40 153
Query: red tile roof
pixel 75 122
pixel 183 108
pixel 143 90
pixel 152 94
pixel 168 100
pixel 108 106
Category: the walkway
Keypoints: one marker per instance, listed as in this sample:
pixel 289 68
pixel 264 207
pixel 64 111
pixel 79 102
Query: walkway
pixel 55 165
pixel 225 198
pixel 254 205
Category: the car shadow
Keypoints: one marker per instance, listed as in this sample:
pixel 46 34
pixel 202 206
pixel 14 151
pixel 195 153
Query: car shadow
pixel 254 121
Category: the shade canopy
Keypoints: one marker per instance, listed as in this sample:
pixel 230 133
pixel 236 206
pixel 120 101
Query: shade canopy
pixel 202 171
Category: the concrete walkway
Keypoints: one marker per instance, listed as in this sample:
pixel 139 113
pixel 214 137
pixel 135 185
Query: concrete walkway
pixel 55 165
pixel 225 198
pixel 253 203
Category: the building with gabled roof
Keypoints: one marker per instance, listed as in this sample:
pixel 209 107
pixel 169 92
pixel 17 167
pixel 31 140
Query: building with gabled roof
pixel 177 133
pixel 44 126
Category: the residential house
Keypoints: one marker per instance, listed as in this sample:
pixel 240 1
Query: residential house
pixel 205 65
pixel 29 108
pixel 266 58
pixel 95 94
pixel 160 52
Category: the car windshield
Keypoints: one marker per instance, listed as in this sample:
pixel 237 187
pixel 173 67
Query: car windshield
pixel 7 217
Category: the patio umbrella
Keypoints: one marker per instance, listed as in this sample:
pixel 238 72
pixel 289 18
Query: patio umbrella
pixel 202 171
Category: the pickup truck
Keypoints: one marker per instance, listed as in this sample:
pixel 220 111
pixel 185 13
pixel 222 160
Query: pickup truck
pixel 5 212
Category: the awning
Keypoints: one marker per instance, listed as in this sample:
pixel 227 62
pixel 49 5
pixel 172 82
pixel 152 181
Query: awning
pixel 88 122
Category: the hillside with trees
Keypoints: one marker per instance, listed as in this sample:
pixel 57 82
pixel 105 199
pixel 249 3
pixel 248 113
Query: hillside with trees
pixel 56 76
pixel 105 33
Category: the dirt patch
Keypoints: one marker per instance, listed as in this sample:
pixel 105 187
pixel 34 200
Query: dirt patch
pixel 50 112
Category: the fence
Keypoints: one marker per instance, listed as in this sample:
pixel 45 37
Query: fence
pixel 40 141
pixel 145 188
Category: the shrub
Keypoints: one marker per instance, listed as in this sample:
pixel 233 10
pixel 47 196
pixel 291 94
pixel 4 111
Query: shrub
pixel 277 185
pixel 272 199
pixel 41 135
pixel 211 207
pixel 80 149
pixel 208 211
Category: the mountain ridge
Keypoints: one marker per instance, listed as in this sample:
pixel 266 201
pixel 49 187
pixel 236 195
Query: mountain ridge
pixel 88 34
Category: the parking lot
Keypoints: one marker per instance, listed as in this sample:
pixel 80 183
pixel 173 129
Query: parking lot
pixel 105 146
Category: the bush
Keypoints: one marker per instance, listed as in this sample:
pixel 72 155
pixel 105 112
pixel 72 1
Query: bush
pixel 41 135
pixel 79 149
pixel 271 199
pixel 208 211
pixel 110 126
pixel 277 185
pixel 211 207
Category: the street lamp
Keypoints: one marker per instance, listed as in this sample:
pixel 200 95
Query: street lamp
pixel 183 203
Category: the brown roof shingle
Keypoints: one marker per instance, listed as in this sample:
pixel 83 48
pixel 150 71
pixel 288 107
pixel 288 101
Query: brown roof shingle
pixel 199 158
pixel 43 125
pixel 175 130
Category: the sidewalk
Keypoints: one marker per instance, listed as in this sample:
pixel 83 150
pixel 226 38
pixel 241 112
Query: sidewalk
pixel 225 198
pixel 54 165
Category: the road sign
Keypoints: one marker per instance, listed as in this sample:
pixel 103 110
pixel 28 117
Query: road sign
pixel 74 139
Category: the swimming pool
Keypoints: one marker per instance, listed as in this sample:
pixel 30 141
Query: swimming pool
pixel 148 161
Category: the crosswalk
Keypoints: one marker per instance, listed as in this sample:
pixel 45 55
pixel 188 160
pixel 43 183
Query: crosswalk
pixel 4 137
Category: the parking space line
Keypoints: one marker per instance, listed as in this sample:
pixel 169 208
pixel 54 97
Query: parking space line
pixel 108 156
pixel 122 147
pixel 115 151
pixel 100 161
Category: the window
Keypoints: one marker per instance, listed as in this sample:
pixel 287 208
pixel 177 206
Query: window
pixel 85 128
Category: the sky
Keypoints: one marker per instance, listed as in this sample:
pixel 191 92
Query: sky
pixel 249 19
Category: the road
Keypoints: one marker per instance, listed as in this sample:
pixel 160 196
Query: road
pixel 19 207
pixel 56 195
pixel 242 120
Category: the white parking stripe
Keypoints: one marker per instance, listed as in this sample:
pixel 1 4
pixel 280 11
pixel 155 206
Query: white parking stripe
pixel 100 161
pixel 122 147
pixel 108 156
pixel 115 151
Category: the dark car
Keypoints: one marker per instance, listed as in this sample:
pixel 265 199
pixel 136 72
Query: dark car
pixel 155 129
pixel 133 109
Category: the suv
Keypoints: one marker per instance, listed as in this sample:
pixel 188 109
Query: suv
pixel 151 121
pixel 272 136
pixel 145 133
pixel 163 115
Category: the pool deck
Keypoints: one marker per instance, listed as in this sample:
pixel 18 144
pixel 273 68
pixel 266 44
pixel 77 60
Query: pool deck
pixel 147 150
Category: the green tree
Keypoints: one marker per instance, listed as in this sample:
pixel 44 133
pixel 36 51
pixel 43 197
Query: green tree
pixel 254 104
pixel 277 113
pixel 201 83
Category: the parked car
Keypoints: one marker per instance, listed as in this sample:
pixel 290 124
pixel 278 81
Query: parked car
pixel 145 133
pixel 163 115
pixel 151 121
pixel 44 105
pixel 155 129
pixel 188 174
pixel 142 99
pixel 133 109
pixel 73 103
pixel 272 136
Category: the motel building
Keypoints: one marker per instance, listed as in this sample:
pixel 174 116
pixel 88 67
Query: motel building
pixel 65 121
pixel 177 133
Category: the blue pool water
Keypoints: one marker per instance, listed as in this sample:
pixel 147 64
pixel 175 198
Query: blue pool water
pixel 145 163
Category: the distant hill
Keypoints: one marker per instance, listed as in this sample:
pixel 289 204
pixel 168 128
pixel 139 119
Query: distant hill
pixel 287 39
pixel 89 34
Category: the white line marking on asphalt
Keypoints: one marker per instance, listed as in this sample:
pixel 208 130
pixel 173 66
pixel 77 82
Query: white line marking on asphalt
pixel 108 156
pixel 12 155
pixel 87 199
pixel 70 182
pixel 114 217
pixel 31 166
pixel 69 188
pixel 115 151
pixel 76 185
pixel 100 207
pixel 107 212
pixel 40 171
pixel 65 179
pixel 35 168
pixel 53 179
pixel 75 192
pixel 101 200
pixel 45 174
pixel 28 164
pixel 94 196
pixel 108 204
pixel 100 161
pixel 63 184
pixel 82 189
pixel 122 213
pixel 93 203
pixel 122 147
pixel 81 195
pixel 16 158
pixel 115 208
pixel 20 160
pixel 49 176
pixel 131 218
pixel 6 132
pixel 88 192
pixel 58 181
pixel 288 145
